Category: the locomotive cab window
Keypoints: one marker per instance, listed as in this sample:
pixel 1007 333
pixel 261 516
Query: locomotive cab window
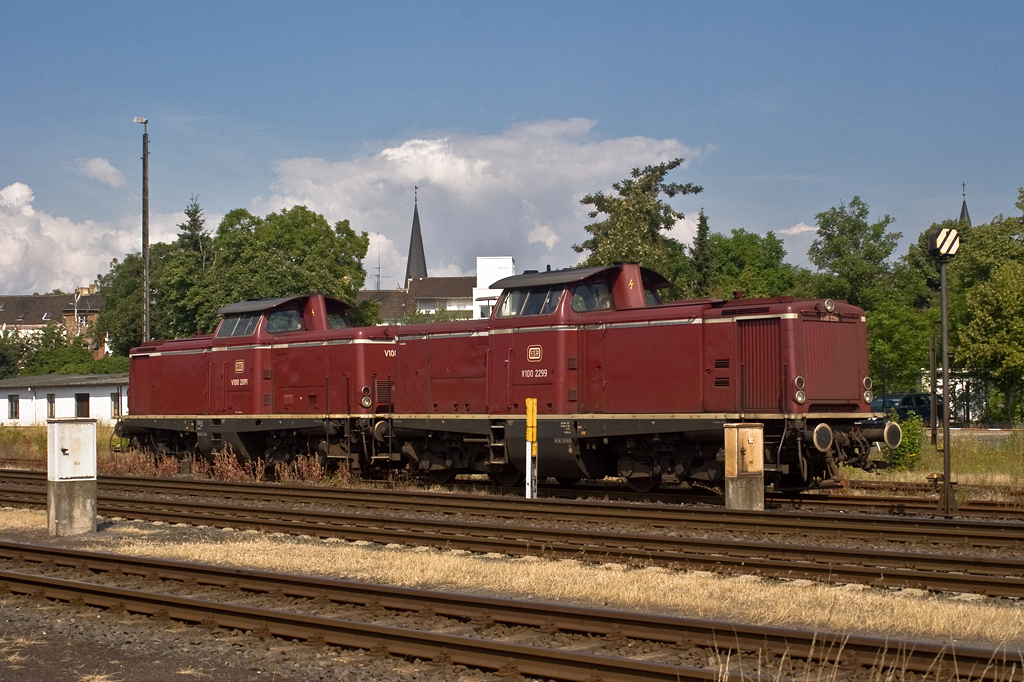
pixel 281 321
pixel 592 296
pixel 238 324
pixel 532 301
pixel 336 317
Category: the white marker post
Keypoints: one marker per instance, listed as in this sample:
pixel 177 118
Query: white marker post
pixel 531 448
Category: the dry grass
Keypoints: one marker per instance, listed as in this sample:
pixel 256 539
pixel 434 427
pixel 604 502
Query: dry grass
pixel 977 458
pixel 801 604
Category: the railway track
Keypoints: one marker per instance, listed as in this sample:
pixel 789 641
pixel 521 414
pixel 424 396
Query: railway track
pixel 896 505
pixel 670 635
pixel 958 532
pixel 899 569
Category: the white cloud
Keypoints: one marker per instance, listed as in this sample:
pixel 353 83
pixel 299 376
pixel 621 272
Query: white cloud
pixel 100 169
pixel 686 229
pixel 799 228
pixel 516 192
pixel 42 252
pixel 544 235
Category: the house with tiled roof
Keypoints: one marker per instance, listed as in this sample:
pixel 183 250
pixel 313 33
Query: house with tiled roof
pixel 395 304
pixel 436 294
pixel 31 314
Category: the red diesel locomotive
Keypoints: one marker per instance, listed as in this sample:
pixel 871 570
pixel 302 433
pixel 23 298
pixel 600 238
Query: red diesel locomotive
pixel 626 385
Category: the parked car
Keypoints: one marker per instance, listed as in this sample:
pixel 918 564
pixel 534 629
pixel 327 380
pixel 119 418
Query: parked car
pixel 905 403
pixel 884 403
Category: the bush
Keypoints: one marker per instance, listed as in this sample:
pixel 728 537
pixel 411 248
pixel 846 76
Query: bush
pixel 908 455
pixel 227 467
pixel 304 469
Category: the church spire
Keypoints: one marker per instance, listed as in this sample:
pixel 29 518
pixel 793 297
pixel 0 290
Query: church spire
pixel 416 266
pixel 964 215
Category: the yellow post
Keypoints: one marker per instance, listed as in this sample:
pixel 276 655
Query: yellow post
pixel 531 448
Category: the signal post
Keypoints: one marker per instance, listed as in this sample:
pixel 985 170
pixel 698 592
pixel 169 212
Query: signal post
pixel 943 245
pixel 531 448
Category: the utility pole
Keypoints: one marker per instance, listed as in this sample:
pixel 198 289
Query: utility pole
pixel 145 227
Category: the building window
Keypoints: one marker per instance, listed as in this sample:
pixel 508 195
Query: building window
pixel 82 405
pixel 47 316
pixel 13 403
pixel 51 406
pixel 115 405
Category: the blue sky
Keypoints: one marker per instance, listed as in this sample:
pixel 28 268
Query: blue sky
pixel 504 115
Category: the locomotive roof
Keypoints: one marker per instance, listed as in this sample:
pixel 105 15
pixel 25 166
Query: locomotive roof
pixel 268 303
pixel 254 306
pixel 568 275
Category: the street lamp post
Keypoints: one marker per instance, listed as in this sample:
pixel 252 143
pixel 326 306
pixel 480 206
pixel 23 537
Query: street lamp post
pixel 943 245
pixel 145 227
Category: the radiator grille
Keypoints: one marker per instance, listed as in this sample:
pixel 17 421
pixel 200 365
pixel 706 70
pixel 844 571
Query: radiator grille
pixel 761 358
pixel 382 389
pixel 833 356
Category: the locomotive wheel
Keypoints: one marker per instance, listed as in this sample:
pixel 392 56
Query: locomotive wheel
pixel 442 476
pixel 643 484
pixel 508 477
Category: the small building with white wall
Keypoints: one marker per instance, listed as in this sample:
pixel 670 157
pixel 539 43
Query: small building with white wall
pixel 489 269
pixel 34 399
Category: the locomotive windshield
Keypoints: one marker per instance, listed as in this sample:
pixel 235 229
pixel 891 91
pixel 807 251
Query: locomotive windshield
pixel 284 321
pixel 336 318
pixel 532 301
pixel 238 324
pixel 592 296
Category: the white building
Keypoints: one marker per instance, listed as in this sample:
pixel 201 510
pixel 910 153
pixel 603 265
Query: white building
pixel 34 399
pixel 489 269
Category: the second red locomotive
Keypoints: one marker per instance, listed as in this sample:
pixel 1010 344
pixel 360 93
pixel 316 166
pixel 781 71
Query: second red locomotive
pixel 626 385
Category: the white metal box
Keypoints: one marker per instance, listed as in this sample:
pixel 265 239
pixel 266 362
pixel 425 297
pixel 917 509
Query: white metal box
pixel 71 450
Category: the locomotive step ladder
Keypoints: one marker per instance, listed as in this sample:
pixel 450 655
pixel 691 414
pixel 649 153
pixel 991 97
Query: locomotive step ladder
pixel 498 451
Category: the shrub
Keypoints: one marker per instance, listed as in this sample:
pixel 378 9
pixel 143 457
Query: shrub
pixel 226 467
pixel 908 455
pixel 304 469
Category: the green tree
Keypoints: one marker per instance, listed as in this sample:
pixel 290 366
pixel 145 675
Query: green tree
pixel 851 254
pixel 288 253
pixel 903 318
pixel 184 276
pixel 636 220
pixel 12 353
pixel 121 287
pixel 989 269
pixel 703 265
pixel 750 263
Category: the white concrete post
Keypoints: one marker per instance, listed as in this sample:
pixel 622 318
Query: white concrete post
pixel 70 476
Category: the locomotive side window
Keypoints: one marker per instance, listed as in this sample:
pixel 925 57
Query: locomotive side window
pixel 593 296
pixel 336 318
pixel 284 321
pixel 238 324
pixel 533 301
pixel 651 297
